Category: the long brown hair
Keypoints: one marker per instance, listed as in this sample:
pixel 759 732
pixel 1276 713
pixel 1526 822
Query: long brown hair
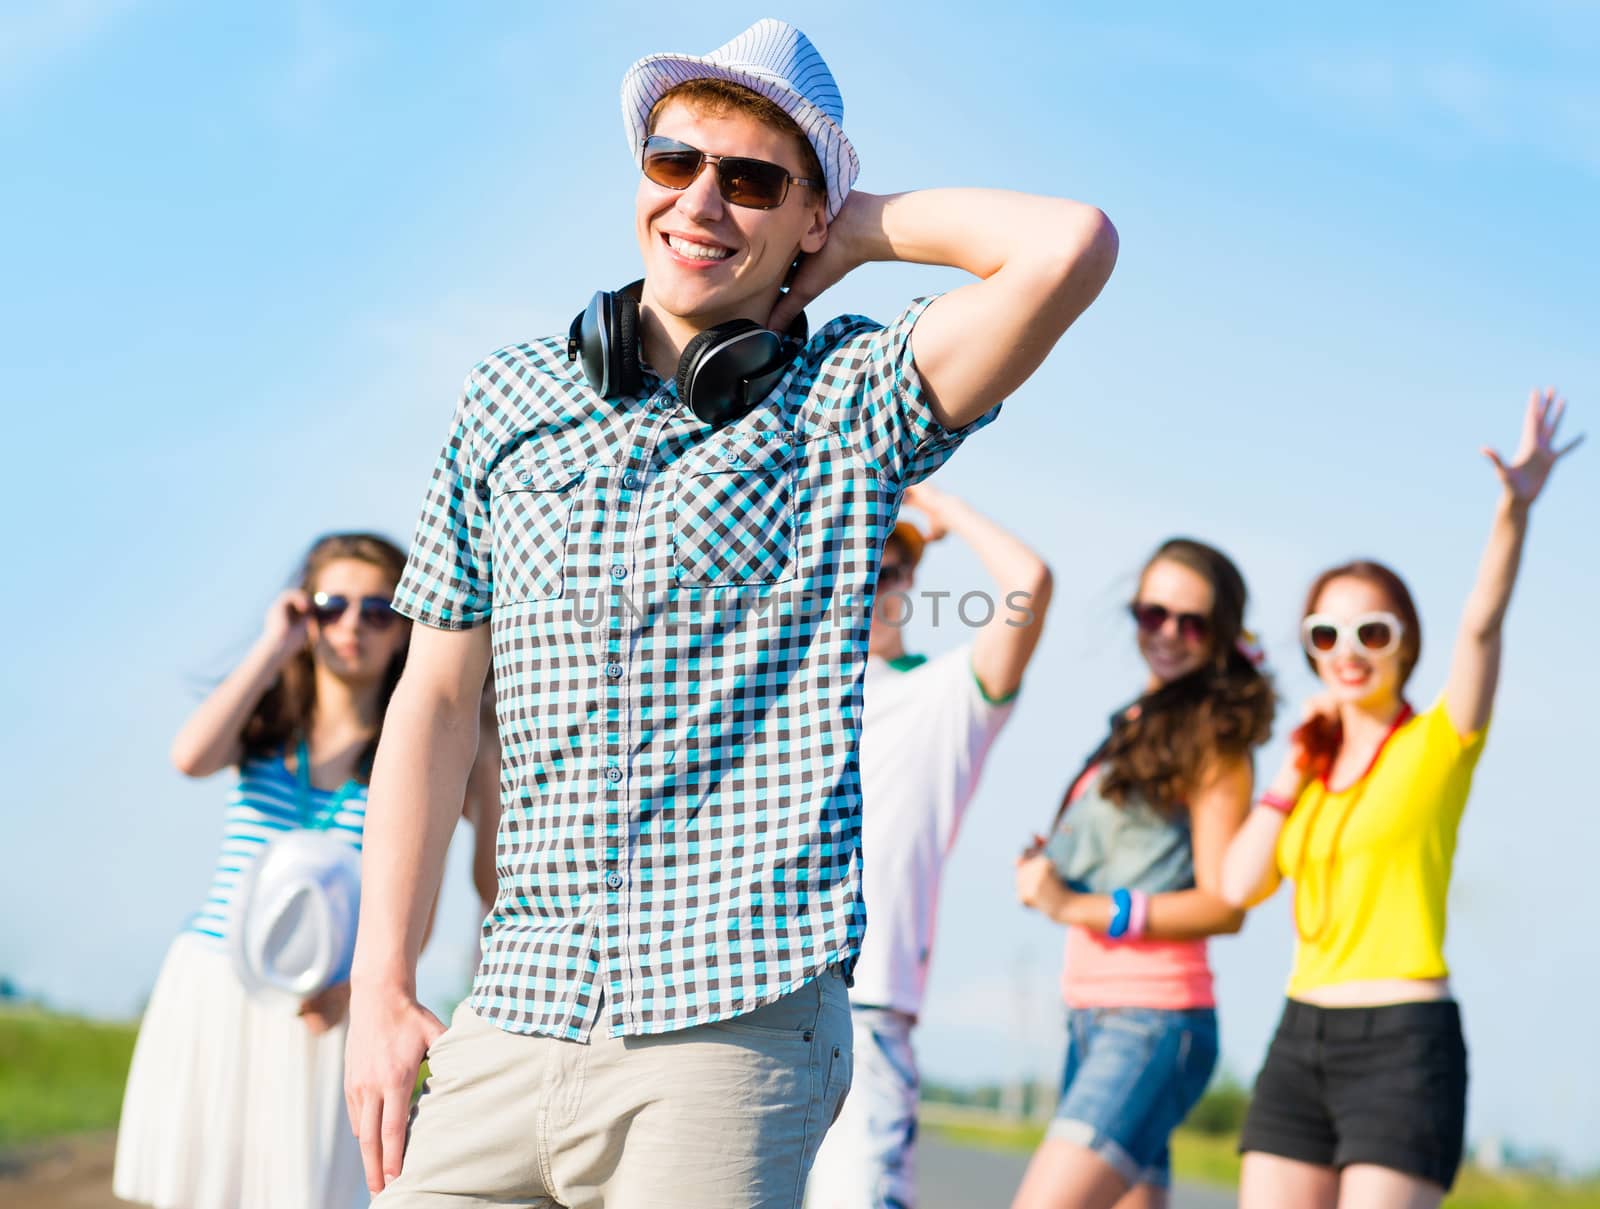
pixel 283 715
pixel 1222 709
pixel 1320 737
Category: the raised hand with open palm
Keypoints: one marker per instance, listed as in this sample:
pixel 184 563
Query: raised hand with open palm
pixel 1525 476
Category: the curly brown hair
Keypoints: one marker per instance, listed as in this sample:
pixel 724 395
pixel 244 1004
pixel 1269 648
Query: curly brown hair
pixel 283 715
pixel 1159 750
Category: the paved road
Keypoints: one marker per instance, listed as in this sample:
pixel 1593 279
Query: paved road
pixel 959 1177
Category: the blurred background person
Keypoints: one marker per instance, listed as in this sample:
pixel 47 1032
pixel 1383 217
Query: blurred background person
pixel 1133 867
pixel 1362 1098
pixel 232 1102
pixel 927 727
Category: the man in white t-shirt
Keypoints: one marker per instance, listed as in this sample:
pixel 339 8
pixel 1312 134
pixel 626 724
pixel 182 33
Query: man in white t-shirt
pixel 927 727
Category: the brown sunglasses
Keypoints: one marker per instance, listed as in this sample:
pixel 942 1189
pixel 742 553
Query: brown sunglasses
pixel 754 184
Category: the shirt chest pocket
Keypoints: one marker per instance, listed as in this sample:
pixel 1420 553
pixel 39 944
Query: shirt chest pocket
pixel 530 506
pixel 734 522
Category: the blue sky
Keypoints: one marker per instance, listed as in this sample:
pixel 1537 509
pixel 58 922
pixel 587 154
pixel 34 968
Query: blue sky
pixel 250 252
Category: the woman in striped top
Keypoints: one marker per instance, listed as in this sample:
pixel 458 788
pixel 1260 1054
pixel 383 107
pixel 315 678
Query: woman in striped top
pixel 232 1103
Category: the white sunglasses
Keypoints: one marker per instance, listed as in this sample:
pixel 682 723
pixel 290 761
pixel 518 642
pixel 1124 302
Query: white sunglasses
pixel 1369 633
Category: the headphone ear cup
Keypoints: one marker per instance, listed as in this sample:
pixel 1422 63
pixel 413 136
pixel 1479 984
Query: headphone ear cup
pixel 627 376
pixel 698 350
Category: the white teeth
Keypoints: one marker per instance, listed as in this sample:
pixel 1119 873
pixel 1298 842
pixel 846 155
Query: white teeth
pixel 697 251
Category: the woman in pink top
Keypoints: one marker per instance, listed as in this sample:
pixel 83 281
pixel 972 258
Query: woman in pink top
pixel 1133 868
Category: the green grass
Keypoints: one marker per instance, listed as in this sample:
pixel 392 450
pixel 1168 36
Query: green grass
pixel 1022 1137
pixel 59 1074
pixel 62 1075
pixel 1480 1190
pixel 1203 1158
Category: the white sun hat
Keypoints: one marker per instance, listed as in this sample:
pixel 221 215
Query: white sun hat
pixel 292 930
pixel 772 58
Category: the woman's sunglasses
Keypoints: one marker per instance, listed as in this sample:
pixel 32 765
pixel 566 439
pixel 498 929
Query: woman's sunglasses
pixel 374 611
pixel 754 184
pixel 1150 618
pixel 1370 633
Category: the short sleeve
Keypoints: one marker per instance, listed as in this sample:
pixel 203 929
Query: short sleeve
pixel 448 582
pixel 985 714
pixel 868 389
pixel 953 690
pixel 1445 742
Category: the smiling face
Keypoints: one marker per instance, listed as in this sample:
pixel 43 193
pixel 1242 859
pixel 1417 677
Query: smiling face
pixel 1176 648
pixel 1352 674
pixel 353 648
pixel 706 260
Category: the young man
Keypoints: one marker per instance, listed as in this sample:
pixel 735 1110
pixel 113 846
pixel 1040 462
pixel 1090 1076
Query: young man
pixel 660 1015
pixel 926 730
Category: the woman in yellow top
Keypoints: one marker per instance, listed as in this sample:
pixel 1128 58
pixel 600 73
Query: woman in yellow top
pixel 1362 1098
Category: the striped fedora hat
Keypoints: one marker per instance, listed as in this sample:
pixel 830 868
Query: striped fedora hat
pixel 772 58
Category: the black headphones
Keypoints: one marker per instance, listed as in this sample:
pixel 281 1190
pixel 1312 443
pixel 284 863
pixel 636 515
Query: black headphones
pixel 724 372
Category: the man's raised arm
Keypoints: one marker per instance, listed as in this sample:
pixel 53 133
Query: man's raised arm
pixel 1041 261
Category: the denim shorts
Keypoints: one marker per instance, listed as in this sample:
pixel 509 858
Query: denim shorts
pixel 1132 1075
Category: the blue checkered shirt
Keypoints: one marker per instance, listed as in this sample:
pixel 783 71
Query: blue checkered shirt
pixel 679 618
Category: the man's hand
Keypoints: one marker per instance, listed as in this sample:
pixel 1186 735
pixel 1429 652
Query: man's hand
pixel 390 1033
pixel 843 252
pixel 932 503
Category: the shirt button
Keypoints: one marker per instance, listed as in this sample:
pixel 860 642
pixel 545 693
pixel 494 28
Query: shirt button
pixel 613 774
pixel 614 670
pixel 662 402
pixel 525 477
pixel 630 479
pixel 614 880
pixel 619 572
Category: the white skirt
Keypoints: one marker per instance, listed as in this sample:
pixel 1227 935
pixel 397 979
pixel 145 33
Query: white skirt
pixel 232 1103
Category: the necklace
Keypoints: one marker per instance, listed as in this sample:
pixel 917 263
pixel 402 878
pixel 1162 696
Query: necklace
pixel 1360 788
pixel 312 817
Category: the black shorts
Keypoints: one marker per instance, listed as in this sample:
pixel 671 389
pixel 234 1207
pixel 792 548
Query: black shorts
pixel 1381 1085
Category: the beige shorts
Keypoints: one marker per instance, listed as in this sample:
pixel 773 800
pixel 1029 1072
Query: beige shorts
pixel 719 1116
